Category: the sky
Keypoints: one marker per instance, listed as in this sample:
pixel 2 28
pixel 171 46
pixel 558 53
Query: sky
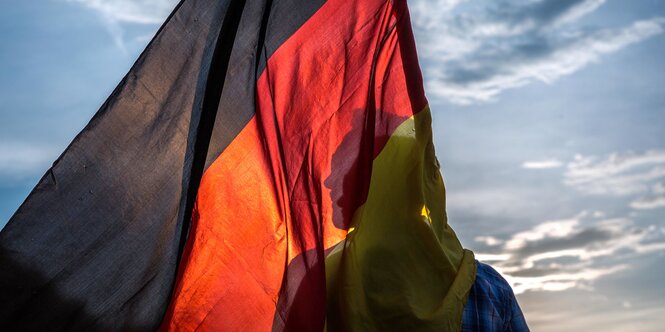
pixel 549 123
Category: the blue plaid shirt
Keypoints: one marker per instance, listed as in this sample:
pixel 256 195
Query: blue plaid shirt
pixel 492 306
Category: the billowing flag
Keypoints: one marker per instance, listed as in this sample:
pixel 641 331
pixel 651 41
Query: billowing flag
pixel 265 165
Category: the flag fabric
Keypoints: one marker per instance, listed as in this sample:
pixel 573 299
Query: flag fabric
pixel 265 165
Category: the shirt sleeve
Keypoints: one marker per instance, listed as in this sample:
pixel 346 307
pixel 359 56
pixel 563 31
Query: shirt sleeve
pixel 491 304
pixel 516 322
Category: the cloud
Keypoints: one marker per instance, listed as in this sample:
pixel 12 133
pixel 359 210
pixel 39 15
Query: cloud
pixel 659 188
pixel 131 11
pixel 115 13
pixel 653 201
pixel 542 164
pixel 554 229
pixel 473 53
pixel 587 169
pixel 621 174
pixel 648 203
pixel 489 240
pixel 428 14
pixel 19 161
pixel 117 33
pixel 507 19
pixel 561 281
pixel 492 257
pixel 571 253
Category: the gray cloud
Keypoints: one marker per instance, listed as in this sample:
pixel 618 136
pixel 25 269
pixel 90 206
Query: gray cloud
pixel 509 19
pixel 473 55
pixel 592 236
pixel 571 253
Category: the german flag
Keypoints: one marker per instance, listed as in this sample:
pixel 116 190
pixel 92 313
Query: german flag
pixel 265 165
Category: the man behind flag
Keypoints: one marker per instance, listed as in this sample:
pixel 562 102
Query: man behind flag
pixel 265 165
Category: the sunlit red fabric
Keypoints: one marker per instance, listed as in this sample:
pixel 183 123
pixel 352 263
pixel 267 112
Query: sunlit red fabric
pixel 271 205
pixel 264 165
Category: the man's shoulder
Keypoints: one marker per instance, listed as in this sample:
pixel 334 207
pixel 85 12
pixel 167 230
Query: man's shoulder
pixel 492 291
pixel 491 305
pixel 489 277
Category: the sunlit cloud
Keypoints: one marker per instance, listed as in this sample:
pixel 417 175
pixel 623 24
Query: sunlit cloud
pixel 561 281
pixel 648 203
pixel 553 229
pixel 598 214
pixel 563 254
pixel 474 53
pixel 542 164
pixel 575 252
pixel 489 240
